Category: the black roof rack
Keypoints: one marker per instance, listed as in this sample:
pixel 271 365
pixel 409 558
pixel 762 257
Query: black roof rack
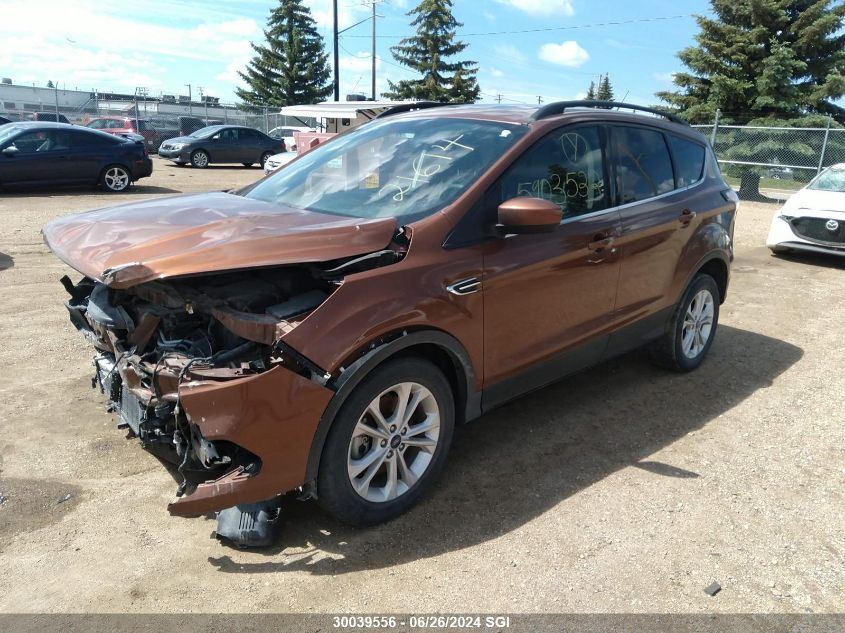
pixel 408 107
pixel 559 107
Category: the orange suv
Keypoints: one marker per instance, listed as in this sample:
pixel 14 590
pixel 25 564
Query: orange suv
pixel 323 330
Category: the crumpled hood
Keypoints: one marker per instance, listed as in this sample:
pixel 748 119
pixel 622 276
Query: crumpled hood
pixel 133 243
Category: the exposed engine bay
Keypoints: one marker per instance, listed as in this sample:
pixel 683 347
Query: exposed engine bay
pixel 159 339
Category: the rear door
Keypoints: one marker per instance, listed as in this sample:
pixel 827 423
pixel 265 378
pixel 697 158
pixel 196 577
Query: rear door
pixel 657 213
pixel 250 146
pixel 549 298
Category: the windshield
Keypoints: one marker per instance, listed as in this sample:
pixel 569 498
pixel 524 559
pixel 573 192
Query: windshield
pixel 831 179
pixel 396 168
pixel 205 132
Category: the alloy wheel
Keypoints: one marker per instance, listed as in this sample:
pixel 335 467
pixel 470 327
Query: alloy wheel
pixel 698 324
pixel 394 442
pixel 116 178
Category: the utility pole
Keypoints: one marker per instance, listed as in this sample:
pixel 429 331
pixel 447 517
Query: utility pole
pixel 498 98
pixel 56 89
pixel 204 99
pixel 190 107
pixel 539 100
pixel 336 55
pixel 374 50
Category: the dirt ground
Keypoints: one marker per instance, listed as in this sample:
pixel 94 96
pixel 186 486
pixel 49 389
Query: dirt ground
pixel 623 489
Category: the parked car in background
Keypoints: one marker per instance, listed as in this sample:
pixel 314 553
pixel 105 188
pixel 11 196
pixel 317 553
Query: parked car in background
pixel 325 328
pixel 122 125
pixel 277 161
pixel 48 116
pixel 221 144
pixel 813 219
pixel 42 153
pixel 287 133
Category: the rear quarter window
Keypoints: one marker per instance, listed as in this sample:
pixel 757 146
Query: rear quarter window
pixel 689 161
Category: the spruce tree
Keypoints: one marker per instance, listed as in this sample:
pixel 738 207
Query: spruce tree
pixel 427 51
pixel 605 90
pixel 292 68
pixel 591 92
pixel 763 58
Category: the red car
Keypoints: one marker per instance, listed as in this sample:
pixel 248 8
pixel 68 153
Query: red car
pixel 120 125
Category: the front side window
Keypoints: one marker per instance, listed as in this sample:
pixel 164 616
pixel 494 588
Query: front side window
pixel 643 164
pixel 689 161
pixel 401 168
pixel 97 124
pixel 36 141
pixel 566 167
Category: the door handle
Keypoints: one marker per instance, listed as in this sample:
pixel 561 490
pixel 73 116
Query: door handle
pixel 687 216
pixel 600 242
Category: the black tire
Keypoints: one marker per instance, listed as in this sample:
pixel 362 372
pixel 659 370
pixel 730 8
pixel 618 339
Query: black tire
pixel 115 179
pixel 200 159
pixel 264 158
pixel 334 488
pixel 668 351
pixel 247 164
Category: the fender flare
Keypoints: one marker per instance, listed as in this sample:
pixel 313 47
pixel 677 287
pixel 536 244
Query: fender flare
pixel 714 254
pixel 352 375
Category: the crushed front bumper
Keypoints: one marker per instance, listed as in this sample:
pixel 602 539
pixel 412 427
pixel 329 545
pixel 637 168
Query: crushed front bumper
pixel 270 416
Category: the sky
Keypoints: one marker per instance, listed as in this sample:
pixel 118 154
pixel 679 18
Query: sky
pixel 163 45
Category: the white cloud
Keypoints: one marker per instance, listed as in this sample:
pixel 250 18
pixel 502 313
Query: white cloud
pixel 664 77
pixel 567 53
pixel 86 44
pixel 510 53
pixel 496 72
pixel 542 7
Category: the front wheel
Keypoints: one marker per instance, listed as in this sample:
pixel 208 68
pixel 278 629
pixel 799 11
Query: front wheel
pixel 199 159
pixel 115 178
pixel 690 334
pixel 388 442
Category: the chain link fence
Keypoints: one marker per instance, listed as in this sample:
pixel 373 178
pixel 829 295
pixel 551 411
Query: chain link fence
pixel 784 158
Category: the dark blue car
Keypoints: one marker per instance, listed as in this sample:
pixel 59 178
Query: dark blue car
pixel 43 153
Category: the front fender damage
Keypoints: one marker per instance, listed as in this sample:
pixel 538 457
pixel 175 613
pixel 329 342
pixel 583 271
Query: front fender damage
pixel 272 415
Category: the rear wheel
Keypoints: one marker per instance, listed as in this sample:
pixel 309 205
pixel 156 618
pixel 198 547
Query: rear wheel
pixel 199 159
pixel 264 157
pixel 690 334
pixel 115 178
pixel 388 443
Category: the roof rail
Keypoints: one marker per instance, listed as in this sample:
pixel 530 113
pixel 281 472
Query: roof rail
pixel 408 107
pixel 559 107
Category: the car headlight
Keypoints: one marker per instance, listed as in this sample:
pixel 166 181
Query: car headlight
pixel 177 146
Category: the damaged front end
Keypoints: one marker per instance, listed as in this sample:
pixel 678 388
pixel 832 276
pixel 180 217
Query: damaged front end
pixel 197 369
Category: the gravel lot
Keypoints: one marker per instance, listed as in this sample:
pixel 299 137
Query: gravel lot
pixel 623 489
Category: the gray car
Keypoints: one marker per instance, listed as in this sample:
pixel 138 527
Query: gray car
pixel 221 144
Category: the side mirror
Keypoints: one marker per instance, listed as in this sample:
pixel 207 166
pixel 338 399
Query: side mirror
pixel 528 215
pixel 10 151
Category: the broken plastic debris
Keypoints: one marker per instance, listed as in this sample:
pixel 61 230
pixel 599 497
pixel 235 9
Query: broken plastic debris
pixel 713 588
pixel 63 499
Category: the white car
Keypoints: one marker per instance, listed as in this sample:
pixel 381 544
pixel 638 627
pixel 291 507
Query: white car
pixel 286 133
pixel 813 219
pixel 277 161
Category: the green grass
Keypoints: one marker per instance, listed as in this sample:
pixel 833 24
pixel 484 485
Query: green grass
pixel 769 183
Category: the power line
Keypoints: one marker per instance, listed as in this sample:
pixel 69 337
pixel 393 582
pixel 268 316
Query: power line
pixel 557 28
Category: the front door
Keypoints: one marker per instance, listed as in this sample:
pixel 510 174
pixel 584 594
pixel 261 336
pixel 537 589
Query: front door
pixel 549 298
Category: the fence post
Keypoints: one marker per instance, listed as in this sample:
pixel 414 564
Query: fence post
pixel 715 128
pixel 824 145
pixel 266 127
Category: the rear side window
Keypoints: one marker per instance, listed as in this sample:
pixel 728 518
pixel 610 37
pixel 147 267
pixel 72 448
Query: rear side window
pixel 643 164
pixel 689 161
pixel 82 139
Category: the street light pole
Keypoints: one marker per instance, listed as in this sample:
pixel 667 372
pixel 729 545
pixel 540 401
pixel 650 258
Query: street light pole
pixel 190 107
